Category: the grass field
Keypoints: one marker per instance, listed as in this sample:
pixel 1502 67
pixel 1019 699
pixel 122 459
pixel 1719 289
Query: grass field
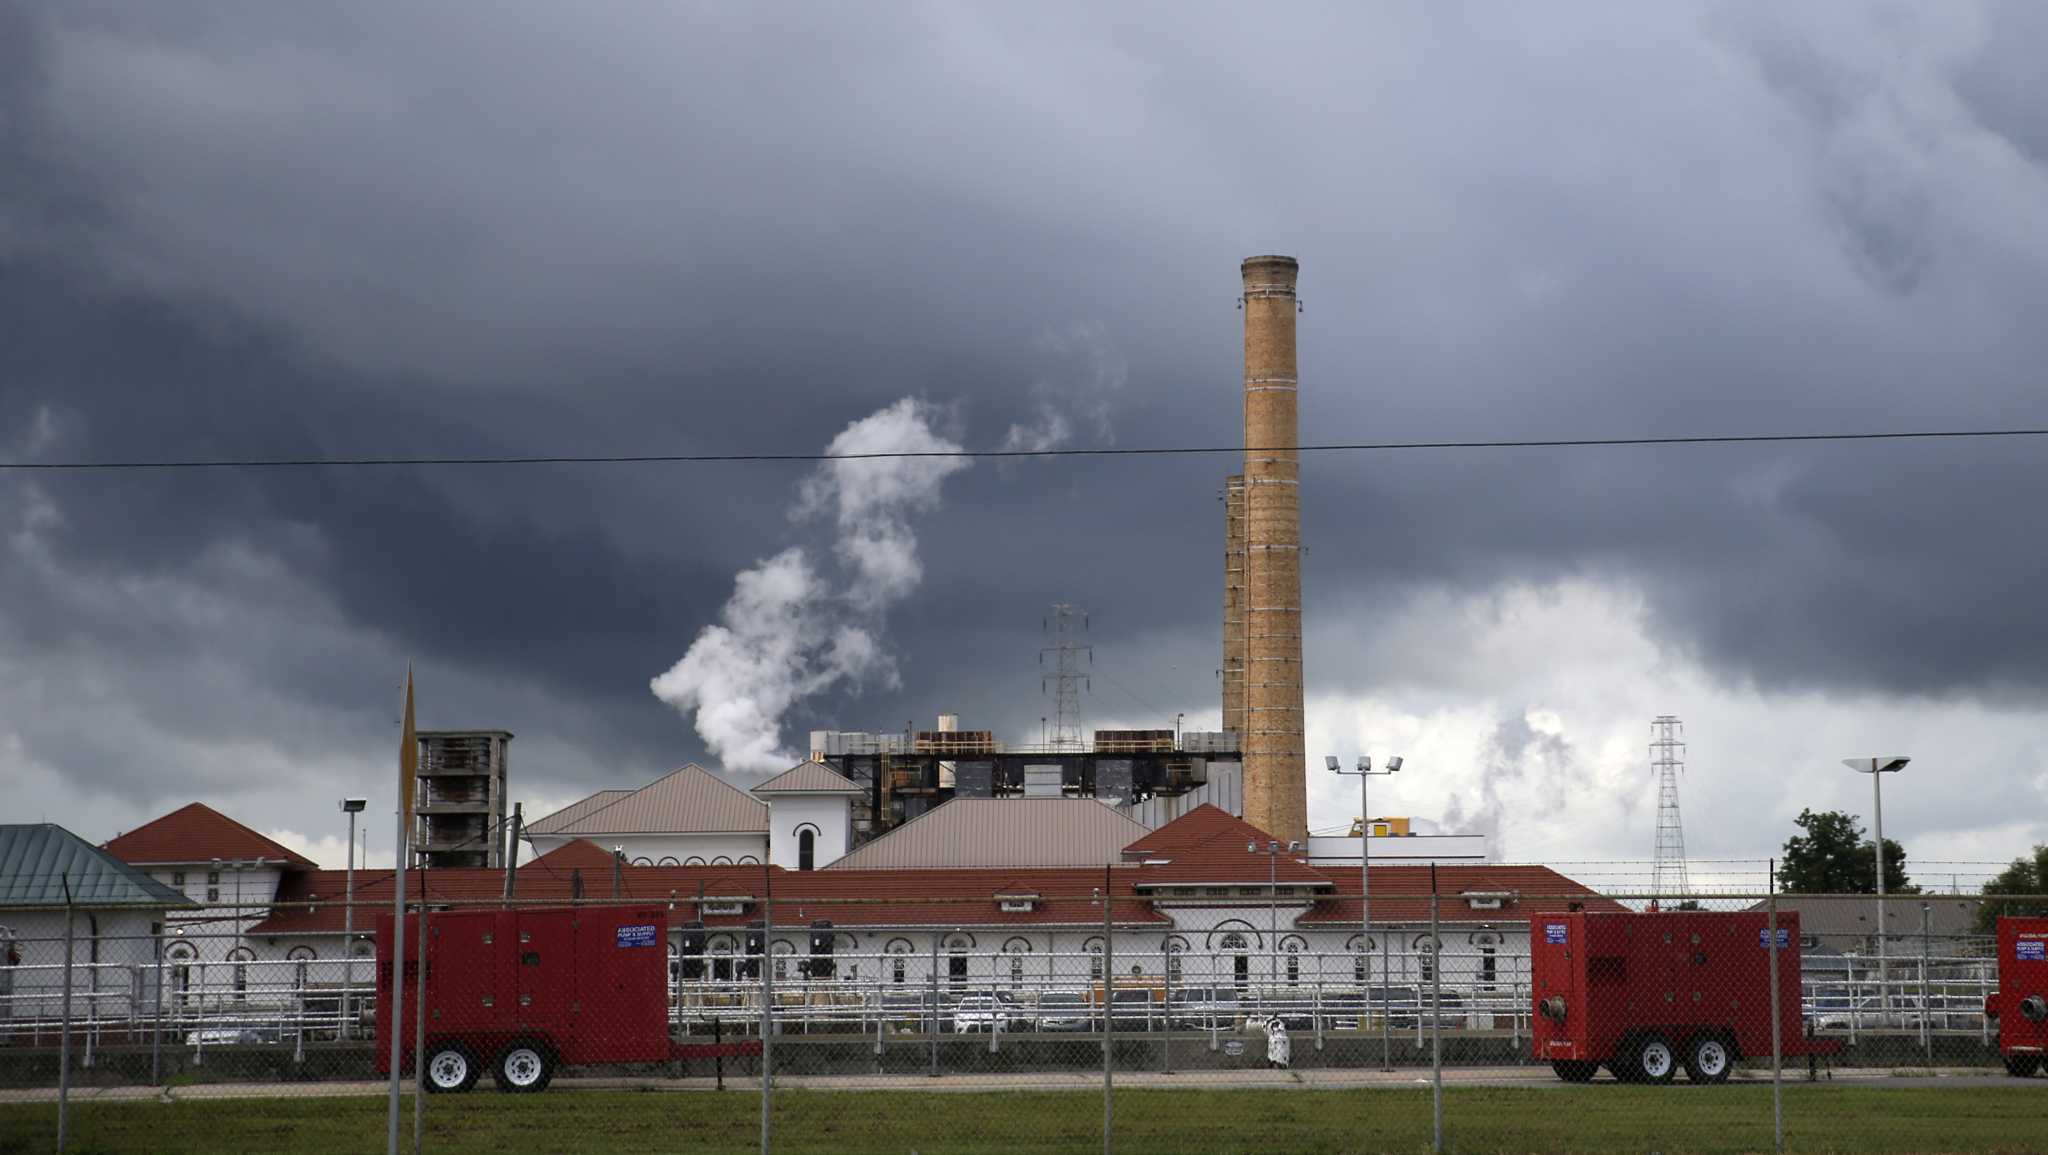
pixel 1588 1119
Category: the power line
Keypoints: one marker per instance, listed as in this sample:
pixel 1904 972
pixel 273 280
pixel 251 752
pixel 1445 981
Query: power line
pixel 1119 451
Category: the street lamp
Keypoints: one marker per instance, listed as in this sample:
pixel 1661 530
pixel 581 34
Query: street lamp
pixel 350 807
pixel 1365 774
pixel 1272 849
pixel 1877 768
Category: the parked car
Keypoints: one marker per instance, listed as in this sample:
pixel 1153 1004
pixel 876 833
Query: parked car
pixel 229 1036
pixel 1065 1011
pixel 1132 1009
pixel 1205 1008
pixel 980 1013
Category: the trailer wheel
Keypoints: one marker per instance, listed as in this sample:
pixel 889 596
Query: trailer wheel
pixel 451 1068
pixel 525 1067
pixel 1574 1071
pixel 2021 1066
pixel 1708 1060
pixel 1653 1061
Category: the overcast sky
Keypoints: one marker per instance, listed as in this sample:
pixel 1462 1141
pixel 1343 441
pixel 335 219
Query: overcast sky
pixel 262 230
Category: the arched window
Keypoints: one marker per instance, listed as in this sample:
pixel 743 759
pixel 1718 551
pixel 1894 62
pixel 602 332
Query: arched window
pixel 1361 949
pixel 302 962
pixel 957 947
pixel 1236 945
pixel 720 948
pixel 1015 949
pixel 1094 948
pixel 240 958
pixel 1244 931
pixel 747 860
pixel 1292 947
pixel 643 860
pixel 721 860
pixel 694 860
pixel 1426 950
pixel 898 950
pixel 181 956
pixel 1174 948
pixel 806 848
pixel 668 860
pixel 1488 945
pixel 782 952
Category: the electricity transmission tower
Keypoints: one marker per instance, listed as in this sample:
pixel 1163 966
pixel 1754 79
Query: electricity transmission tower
pixel 1066 680
pixel 1667 758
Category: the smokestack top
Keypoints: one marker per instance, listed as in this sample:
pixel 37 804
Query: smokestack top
pixel 1271 267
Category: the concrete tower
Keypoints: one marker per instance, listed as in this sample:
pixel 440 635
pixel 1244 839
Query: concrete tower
pixel 1233 605
pixel 1275 765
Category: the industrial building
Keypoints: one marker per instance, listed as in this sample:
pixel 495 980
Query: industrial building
pixel 902 776
pixel 460 798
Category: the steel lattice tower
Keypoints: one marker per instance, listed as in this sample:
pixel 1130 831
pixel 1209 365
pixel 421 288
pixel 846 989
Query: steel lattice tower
pixel 1667 758
pixel 1066 681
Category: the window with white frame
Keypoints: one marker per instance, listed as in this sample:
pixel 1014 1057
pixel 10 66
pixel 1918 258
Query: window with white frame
pixel 239 959
pixel 898 951
pixel 1015 950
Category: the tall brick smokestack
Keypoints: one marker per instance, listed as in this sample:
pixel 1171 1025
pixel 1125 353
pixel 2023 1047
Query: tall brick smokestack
pixel 1275 766
pixel 1233 604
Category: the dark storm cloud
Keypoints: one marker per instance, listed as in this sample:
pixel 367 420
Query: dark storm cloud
pixel 263 230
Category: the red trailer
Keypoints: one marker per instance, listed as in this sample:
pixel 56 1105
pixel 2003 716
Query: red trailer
pixel 524 992
pixel 2021 1004
pixel 1644 993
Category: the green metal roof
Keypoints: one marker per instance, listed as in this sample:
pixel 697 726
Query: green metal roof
pixel 38 859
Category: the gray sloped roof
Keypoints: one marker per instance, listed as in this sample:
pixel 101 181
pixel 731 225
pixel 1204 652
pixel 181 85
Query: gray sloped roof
pixel 809 778
pixel 574 812
pixel 991 832
pixel 691 800
pixel 38 859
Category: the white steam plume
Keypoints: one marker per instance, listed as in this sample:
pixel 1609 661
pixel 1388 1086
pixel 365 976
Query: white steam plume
pixel 788 632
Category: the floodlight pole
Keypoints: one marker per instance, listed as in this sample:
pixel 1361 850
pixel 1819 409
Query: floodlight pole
pixel 1365 773
pixel 1877 768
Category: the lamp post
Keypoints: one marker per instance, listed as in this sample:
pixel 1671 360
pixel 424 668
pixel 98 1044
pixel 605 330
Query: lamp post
pixel 1365 773
pixel 1272 849
pixel 1877 768
pixel 350 807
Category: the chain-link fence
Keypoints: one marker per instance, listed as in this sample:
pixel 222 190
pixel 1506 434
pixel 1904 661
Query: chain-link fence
pixel 857 1025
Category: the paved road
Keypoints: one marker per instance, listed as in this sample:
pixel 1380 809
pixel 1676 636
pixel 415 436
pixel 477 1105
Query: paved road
pixel 1323 1078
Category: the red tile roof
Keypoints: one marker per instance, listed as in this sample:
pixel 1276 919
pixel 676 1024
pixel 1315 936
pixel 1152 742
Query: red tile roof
pixel 307 903
pixel 199 833
pixel 1209 846
pixel 1401 894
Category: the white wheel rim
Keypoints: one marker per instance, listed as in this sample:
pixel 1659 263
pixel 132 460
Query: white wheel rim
pixel 1712 1058
pixel 448 1069
pixel 522 1067
pixel 1656 1060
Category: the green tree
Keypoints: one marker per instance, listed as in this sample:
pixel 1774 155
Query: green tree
pixel 1833 857
pixel 2026 876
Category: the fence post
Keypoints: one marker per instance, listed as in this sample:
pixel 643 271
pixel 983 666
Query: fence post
pixel 1777 1043
pixel 64 1042
pixel 1926 1035
pixel 419 1030
pixel 1108 1019
pixel 1436 1020
pixel 767 1001
pixel 156 1034
pixel 935 1003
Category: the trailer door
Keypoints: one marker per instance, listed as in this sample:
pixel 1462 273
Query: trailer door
pixel 545 965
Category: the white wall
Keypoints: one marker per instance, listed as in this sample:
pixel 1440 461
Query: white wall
pixel 831 814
